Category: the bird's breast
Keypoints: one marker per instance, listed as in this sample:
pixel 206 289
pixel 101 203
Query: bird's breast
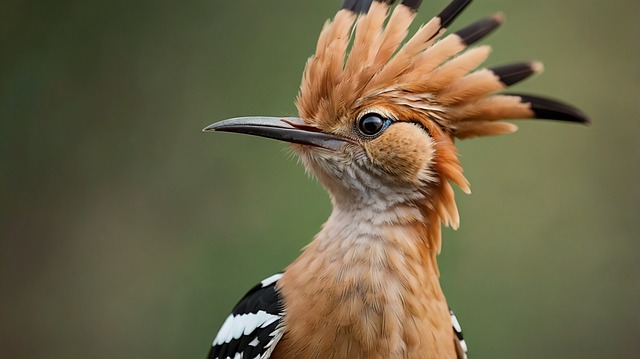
pixel 368 297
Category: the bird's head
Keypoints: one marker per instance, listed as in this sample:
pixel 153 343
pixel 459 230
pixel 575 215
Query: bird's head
pixel 378 115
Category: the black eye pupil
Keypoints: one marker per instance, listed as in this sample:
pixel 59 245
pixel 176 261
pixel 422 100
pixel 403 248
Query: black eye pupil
pixel 371 124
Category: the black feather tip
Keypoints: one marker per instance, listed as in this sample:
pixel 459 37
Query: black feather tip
pixel 356 6
pixel 546 108
pixel 511 74
pixel 480 29
pixel 412 4
pixel 452 11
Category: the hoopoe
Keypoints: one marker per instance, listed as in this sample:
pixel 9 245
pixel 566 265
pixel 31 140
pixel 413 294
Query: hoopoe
pixel 378 117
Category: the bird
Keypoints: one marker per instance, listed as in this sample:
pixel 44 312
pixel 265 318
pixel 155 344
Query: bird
pixel 379 113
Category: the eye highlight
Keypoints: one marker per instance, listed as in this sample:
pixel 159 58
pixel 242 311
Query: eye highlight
pixel 373 124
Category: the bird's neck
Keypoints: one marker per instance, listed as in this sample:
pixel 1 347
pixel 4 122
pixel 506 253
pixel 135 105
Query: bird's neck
pixel 369 279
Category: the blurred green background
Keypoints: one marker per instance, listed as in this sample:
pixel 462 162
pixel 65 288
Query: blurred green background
pixel 128 233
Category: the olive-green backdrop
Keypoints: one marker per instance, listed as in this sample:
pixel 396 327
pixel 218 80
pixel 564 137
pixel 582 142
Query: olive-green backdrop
pixel 128 233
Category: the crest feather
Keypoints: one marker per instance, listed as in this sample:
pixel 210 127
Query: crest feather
pixel 437 70
pixel 395 31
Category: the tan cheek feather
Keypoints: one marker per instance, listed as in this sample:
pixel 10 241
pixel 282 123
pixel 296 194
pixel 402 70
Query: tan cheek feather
pixel 403 151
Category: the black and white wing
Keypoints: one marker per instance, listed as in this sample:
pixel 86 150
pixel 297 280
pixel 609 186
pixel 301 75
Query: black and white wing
pixel 255 325
pixel 461 345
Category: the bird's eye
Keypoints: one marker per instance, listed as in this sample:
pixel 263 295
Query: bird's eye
pixel 372 124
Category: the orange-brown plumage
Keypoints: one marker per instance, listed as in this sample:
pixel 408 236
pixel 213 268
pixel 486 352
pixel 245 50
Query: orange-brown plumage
pixel 371 299
pixel 378 119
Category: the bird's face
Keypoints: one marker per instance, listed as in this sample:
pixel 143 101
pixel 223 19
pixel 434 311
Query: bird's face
pixel 388 156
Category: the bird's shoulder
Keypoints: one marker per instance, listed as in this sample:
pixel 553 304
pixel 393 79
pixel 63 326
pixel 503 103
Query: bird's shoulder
pixel 254 326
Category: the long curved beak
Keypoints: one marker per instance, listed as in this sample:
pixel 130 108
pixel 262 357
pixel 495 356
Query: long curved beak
pixel 288 129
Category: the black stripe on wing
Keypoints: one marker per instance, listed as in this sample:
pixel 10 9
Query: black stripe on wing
pixel 254 326
pixel 461 345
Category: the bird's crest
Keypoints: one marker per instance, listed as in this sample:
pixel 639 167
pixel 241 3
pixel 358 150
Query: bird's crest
pixel 429 74
pixel 362 61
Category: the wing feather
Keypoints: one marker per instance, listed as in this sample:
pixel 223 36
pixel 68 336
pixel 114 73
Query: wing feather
pixel 255 325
